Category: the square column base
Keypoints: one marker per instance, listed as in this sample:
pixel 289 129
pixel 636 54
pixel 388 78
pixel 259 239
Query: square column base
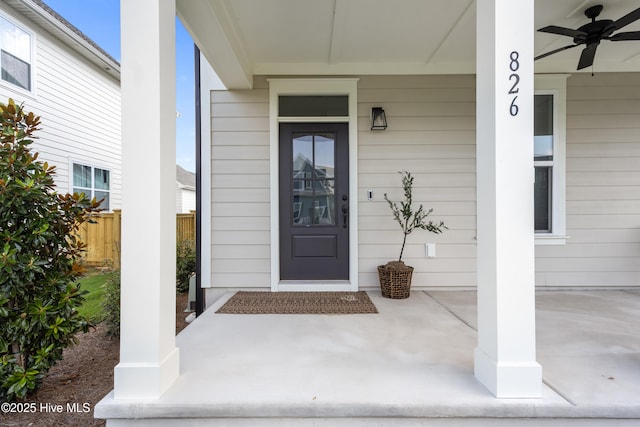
pixel 516 380
pixel 146 380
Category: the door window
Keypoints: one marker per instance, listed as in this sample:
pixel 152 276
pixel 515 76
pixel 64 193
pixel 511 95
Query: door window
pixel 313 175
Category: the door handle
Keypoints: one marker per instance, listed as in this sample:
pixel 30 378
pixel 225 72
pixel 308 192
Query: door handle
pixel 345 215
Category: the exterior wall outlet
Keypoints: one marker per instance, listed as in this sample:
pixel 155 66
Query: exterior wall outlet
pixel 430 250
pixel 369 194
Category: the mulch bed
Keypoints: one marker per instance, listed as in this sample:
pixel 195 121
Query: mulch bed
pixel 84 376
pixel 244 302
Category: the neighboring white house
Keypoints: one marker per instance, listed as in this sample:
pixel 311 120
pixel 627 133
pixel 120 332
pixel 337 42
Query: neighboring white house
pixel 185 190
pixel 58 73
pixel 460 89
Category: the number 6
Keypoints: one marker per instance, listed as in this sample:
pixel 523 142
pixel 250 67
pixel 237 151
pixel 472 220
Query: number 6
pixel 513 109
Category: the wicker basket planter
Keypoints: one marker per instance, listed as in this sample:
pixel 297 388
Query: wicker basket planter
pixel 394 283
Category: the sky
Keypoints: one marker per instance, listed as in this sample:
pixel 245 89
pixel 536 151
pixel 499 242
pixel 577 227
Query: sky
pixel 100 21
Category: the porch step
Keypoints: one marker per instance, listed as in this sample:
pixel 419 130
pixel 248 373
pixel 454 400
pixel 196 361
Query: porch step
pixel 374 422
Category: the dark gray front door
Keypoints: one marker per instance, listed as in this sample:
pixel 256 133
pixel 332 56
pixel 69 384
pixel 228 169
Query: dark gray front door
pixel 314 201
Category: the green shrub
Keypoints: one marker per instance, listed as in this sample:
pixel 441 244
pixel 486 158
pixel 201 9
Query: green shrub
pixel 111 303
pixel 185 264
pixel 39 254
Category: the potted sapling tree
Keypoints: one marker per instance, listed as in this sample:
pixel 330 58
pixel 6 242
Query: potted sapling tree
pixel 395 276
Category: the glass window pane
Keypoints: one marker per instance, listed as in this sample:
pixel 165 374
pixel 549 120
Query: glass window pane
pixel 302 208
pixel 542 199
pixel 15 71
pixel 302 155
pixel 313 179
pixel 543 147
pixel 15 41
pixel 101 179
pixel 543 127
pixel 15 59
pixel 104 196
pixel 324 202
pixel 82 191
pixel 324 156
pixel 297 210
pixel 81 176
pixel 313 106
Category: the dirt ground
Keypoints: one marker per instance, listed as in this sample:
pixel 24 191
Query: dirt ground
pixel 73 387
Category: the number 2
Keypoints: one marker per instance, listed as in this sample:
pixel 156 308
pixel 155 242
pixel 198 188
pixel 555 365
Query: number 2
pixel 514 88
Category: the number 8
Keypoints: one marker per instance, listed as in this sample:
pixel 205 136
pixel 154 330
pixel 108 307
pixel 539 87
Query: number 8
pixel 514 65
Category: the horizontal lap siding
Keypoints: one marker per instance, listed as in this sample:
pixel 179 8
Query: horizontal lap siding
pixel 79 105
pixel 603 186
pixel 80 110
pixel 431 134
pixel 240 188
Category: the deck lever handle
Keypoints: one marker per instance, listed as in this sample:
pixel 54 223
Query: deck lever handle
pixel 345 215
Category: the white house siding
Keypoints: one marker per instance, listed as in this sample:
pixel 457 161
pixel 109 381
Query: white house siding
pixel 79 105
pixel 185 199
pixel 240 187
pixel 431 133
pixel 603 186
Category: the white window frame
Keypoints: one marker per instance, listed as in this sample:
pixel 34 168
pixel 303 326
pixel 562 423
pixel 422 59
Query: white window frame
pixel 556 85
pixel 32 64
pixel 93 187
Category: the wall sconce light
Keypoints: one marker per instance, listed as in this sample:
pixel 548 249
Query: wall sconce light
pixel 378 119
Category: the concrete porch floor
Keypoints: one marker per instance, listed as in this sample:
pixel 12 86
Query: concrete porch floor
pixel 409 365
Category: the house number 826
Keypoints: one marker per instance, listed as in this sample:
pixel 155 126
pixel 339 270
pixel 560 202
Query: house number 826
pixel 514 77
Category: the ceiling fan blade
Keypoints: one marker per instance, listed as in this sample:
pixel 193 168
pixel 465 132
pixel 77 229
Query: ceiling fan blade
pixel 587 56
pixel 631 35
pixel 544 55
pixel 625 20
pixel 562 31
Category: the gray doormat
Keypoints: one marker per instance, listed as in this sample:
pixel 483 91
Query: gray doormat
pixel 298 303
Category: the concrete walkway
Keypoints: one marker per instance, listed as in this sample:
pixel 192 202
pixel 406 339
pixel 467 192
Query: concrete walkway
pixel 411 364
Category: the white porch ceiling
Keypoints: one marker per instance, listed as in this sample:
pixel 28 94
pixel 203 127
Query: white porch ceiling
pixel 242 38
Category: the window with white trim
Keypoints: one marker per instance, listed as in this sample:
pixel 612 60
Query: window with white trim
pixel 15 54
pixel 549 160
pixel 92 181
pixel 543 163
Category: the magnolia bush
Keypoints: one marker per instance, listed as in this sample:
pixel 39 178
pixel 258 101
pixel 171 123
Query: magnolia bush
pixel 39 254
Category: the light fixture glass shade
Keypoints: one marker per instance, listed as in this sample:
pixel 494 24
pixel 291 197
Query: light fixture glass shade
pixel 378 119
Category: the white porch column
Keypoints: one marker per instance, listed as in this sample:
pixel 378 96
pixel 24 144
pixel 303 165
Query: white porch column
pixel 149 359
pixel 505 359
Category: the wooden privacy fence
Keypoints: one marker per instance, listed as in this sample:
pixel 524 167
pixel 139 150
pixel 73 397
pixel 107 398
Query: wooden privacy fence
pixel 103 237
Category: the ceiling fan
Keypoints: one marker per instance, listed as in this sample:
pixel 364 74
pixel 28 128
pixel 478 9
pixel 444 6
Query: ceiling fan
pixel 592 33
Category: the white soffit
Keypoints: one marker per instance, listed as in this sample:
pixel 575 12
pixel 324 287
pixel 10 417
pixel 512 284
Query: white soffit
pixel 241 38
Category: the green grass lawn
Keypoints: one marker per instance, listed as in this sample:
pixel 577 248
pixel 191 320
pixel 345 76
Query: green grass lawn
pixel 92 307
